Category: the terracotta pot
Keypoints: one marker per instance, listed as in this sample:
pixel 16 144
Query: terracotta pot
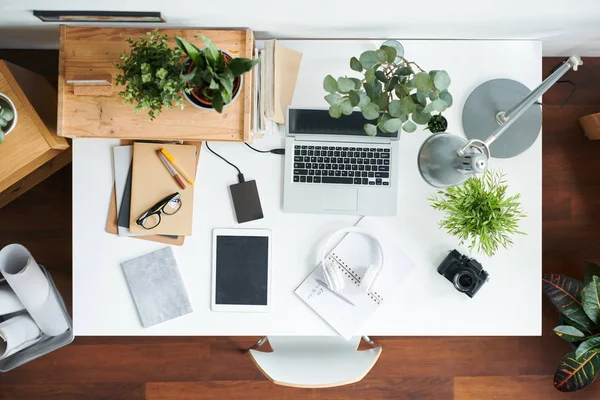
pixel 197 98
pixel 591 126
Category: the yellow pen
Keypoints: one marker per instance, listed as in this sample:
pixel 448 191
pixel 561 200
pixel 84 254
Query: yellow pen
pixel 172 161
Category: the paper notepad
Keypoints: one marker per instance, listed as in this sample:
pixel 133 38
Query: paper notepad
pixel 351 257
pixel 152 182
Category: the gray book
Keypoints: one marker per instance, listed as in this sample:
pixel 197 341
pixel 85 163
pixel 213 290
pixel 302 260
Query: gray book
pixel 156 287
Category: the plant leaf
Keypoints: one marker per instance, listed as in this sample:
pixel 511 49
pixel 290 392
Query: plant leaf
pixel 420 117
pixel 569 333
pixel 395 108
pixel 2 136
pixel 392 125
pixel 364 100
pixel 422 98
pixel 575 373
pixel 345 85
pixel 591 270
pixel 190 50
pixel 355 65
pixel 589 345
pixel 565 295
pixel 346 107
pixel 441 80
pixel 217 102
pixel 354 97
pixel 240 66
pixel 370 76
pixel 390 52
pixel 330 84
pixel 382 101
pixel 333 99
pixel 407 105
pixel 227 84
pixel 380 75
pixel 357 83
pixel 335 111
pixel 591 299
pixel 212 53
pixel 404 71
pixel 370 111
pixel 447 98
pixel 409 127
pixel 370 129
pixel 370 92
pixel 437 105
pixel 423 82
pixel 368 59
pixel 381 56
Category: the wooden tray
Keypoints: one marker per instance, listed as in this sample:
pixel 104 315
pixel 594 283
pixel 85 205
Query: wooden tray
pixel 94 50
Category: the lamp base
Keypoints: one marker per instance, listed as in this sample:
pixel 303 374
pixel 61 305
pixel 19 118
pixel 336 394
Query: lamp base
pixel 492 97
pixel 438 161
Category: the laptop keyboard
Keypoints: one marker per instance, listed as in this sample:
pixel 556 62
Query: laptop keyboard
pixel 345 165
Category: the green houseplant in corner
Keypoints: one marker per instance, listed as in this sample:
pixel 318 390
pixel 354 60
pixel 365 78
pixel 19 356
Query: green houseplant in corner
pixel 393 93
pixel 152 74
pixel 8 118
pixel 579 305
pixel 214 77
pixel 480 212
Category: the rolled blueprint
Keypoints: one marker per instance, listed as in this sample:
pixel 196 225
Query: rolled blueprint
pixel 9 302
pixel 31 286
pixel 17 334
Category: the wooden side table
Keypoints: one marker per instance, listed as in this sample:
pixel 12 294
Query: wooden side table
pixel 32 151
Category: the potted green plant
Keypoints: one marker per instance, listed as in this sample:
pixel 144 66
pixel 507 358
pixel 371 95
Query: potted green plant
pixel 480 212
pixel 152 74
pixel 579 305
pixel 392 92
pixel 8 116
pixel 214 77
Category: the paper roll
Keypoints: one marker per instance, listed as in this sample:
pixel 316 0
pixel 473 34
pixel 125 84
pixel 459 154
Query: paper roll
pixel 17 334
pixel 30 285
pixel 9 302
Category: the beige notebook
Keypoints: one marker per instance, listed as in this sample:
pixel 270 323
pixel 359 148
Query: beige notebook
pixel 285 68
pixel 152 182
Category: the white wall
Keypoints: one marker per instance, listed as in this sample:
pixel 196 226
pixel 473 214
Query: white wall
pixel 565 26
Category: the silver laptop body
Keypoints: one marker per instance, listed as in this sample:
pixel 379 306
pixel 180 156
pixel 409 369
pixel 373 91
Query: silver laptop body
pixel 333 167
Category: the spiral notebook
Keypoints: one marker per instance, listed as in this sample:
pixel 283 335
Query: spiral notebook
pixel 351 257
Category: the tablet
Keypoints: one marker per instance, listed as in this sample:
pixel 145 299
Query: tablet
pixel 241 270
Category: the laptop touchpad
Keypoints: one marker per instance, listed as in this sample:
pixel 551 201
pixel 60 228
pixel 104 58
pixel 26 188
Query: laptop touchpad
pixel 345 199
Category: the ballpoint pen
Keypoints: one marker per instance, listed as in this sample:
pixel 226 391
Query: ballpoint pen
pixel 171 169
pixel 177 166
pixel 335 293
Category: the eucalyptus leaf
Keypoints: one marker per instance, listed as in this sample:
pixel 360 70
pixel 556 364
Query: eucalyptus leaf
pixel 395 108
pixel 354 98
pixel 569 333
pixel 404 71
pixel 382 101
pixel 407 105
pixel 335 111
pixel 409 127
pixel 380 75
pixel 391 84
pixel 370 76
pixel 370 111
pixel 330 84
pixel 422 98
pixel 381 56
pixel 441 80
pixel 390 52
pixel 403 117
pixel 364 100
pixel 370 91
pixel 368 59
pixel 420 117
pixel 423 82
pixel 392 125
pixel 438 105
pixel 447 98
pixel 592 344
pixel 345 85
pixel 333 99
pixel 355 65
pixel 357 83
pixel 590 296
pixel 370 129
pixel 346 107
pixel 434 95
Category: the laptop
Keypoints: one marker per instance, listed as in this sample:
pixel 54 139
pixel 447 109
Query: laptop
pixel 332 166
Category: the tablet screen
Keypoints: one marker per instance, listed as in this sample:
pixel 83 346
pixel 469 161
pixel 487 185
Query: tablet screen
pixel 242 264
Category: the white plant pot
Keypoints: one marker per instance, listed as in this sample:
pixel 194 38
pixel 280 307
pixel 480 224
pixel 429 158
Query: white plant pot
pixel 11 125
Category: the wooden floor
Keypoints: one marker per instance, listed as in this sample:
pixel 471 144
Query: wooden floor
pixel 409 368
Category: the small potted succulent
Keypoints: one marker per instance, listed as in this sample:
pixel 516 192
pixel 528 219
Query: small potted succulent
pixel 214 77
pixel 480 212
pixel 8 116
pixel 152 74
pixel 393 93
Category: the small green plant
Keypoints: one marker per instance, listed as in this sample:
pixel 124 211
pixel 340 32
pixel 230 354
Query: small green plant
pixel 6 115
pixel 152 74
pixel 579 305
pixel 394 92
pixel 212 77
pixel 480 212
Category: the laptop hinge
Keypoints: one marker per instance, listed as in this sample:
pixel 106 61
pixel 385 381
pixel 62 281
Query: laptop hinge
pixel 338 139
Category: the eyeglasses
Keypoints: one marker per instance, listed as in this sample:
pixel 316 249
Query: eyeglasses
pixel 168 206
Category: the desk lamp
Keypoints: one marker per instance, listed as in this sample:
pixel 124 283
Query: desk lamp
pixel 448 160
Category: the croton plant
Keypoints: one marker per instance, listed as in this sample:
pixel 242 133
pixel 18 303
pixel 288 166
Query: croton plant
pixel 579 305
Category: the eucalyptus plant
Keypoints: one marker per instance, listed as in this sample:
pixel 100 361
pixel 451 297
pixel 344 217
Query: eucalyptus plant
pixel 392 92
pixel 480 212
pixel 6 115
pixel 579 305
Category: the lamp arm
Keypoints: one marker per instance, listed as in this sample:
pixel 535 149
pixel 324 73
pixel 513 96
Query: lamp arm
pixel 507 118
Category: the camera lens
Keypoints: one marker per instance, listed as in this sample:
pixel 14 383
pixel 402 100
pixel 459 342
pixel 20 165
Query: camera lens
pixel 464 281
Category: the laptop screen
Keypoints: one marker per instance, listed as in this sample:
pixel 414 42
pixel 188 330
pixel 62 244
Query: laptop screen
pixel 304 121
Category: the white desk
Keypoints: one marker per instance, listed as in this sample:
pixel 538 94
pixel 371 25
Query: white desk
pixel 427 304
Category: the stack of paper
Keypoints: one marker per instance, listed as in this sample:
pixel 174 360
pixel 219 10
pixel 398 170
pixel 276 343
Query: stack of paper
pixel 274 84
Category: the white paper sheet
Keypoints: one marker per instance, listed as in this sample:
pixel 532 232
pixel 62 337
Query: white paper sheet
pixel 9 302
pixel 18 333
pixel 30 285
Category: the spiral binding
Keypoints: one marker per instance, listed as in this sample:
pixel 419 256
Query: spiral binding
pixel 354 277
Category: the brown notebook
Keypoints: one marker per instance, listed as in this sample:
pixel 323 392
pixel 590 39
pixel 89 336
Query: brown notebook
pixel 152 182
pixel 286 65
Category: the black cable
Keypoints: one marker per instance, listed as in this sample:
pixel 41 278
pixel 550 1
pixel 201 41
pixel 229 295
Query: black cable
pixel 240 175
pixel 573 88
pixel 273 151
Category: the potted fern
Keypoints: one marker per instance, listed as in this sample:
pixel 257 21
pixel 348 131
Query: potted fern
pixel 214 77
pixel 8 116
pixel 480 213
pixel 579 306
